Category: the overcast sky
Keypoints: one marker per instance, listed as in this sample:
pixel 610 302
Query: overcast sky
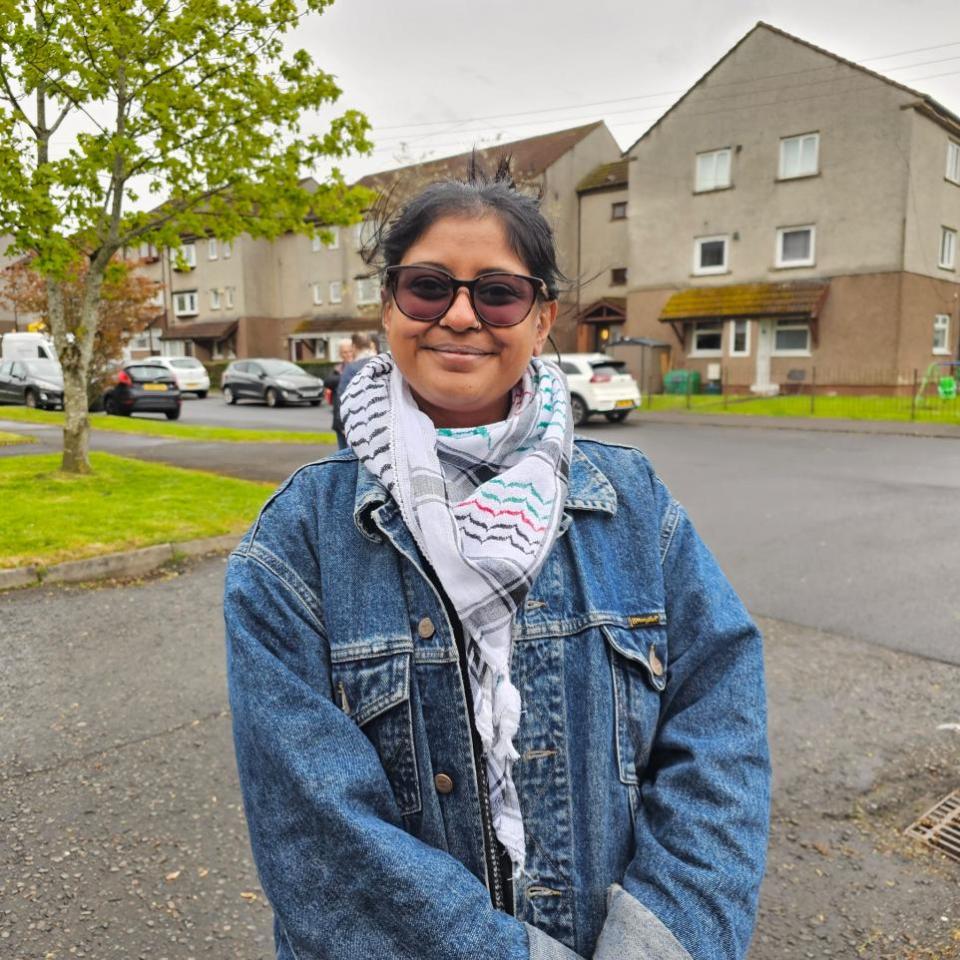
pixel 436 77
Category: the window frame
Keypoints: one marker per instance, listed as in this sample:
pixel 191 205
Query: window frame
pixel 190 311
pixel 696 329
pixel 945 327
pixel 618 210
pixel 213 249
pixel 700 271
pixel 216 299
pixel 781 172
pixel 732 351
pixel 953 162
pixel 229 301
pixel 942 262
pixel 811 261
pixel 614 282
pixel 335 291
pixel 699 187
pixel 188 254
pixel 361 285
pixel 317 292
pixel 791 324
pixel 227 249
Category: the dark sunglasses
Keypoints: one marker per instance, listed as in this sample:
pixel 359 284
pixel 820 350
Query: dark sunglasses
pixel 498 299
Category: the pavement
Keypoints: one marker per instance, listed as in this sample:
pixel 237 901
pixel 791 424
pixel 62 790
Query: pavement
pixel 123 833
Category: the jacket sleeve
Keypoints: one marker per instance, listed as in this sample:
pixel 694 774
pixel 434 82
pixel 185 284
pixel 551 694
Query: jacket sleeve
pixel 344 878
pixel 702 821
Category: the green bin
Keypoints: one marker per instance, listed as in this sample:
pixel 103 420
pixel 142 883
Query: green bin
pixel 681 381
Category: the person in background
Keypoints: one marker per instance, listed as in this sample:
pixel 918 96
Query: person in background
pixel 365 346
pixel 332 381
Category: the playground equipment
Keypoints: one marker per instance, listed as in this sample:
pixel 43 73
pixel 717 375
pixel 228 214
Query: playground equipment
pixel 945 371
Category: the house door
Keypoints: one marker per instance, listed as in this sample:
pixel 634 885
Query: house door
pixel 761 381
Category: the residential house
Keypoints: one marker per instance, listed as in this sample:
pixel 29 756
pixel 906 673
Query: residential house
pixel 795 216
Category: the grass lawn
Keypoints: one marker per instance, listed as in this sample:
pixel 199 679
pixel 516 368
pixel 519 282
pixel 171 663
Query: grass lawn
pixel 124 504
pixel 11 439
pixel 176 431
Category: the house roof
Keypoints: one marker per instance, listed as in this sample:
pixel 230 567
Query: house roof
pixel 606 176
pixel 216 330
pixel 926 103
pixel 604 310
pixel 529 158
pixel 797 299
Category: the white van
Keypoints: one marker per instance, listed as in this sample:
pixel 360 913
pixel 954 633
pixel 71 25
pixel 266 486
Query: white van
pixel 27 346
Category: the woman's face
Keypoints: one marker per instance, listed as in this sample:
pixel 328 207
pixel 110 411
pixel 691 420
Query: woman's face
pixel 461 371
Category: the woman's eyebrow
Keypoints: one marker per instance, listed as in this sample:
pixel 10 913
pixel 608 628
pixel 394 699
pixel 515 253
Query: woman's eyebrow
pixel 446 269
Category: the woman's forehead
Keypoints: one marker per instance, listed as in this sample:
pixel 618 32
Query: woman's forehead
pixel 476 243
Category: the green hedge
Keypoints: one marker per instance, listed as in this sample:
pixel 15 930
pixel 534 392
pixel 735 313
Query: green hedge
pixel 319 368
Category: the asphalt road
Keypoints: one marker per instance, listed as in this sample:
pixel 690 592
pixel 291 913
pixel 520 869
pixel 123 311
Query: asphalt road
pixel 213 411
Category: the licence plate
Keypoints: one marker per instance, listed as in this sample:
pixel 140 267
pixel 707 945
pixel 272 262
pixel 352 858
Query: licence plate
pixel 624 403
pixel 154 386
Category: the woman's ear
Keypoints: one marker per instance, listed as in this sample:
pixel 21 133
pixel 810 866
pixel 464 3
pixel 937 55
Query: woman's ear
pixel 546 318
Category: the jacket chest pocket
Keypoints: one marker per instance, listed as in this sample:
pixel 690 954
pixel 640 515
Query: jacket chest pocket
pixel 375 692
pixel 638 661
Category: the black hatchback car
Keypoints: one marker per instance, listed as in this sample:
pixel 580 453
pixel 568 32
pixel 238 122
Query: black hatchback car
pixel 34 382
pixel 143 388
pixel 274 381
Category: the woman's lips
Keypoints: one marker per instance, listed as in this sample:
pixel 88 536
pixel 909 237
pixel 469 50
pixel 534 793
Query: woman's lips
pixel 459 350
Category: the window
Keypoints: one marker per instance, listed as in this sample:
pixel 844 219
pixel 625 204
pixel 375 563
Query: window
pixel 227 249
pixel 185 303
pixel 334 243
pixel 618 210
pixel 148 252
pixel 228 297
pixel 157 299
pixel 953 161
pixel 713 170
pixel 941 333
pixel 948 247
pixel 186 257
pixel 795 246
pixel 706 338
pixel 799 156
pixel 740 338
pixel 618 276
pixel 316 244
pixel 213 249
pixel 710 255
pixel 367 290
pixel 214 299
pixel 791 338
pixel 317 293
pixel 336 291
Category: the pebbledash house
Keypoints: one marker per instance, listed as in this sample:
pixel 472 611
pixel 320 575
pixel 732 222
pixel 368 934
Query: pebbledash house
pixel 794 216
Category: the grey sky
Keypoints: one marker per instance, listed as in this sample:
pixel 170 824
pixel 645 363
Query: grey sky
pixel 506 70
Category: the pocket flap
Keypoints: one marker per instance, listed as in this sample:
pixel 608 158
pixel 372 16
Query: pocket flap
pixel 366 687
pixel 645 646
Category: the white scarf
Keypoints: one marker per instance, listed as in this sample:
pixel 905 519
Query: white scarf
pixel 484 506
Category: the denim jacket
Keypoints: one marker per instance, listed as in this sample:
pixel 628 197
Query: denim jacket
pixel 643 774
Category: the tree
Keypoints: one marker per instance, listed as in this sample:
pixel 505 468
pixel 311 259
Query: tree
pixel 127 306
pixel 196 102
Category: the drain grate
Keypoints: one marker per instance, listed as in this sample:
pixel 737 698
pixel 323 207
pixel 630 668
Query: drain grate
pixel 940 826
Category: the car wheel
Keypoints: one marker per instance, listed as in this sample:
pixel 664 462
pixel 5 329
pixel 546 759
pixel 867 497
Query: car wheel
pixel 173 414
pixel 201 394
pixel 616 416
pixel 110 405
pixel 578 410
pixel 229 396
pixel 272 397
pixel 30 399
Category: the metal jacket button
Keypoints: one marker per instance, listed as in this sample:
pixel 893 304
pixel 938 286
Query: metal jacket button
pixel 426 629
pixel 655 665
pixel 443 783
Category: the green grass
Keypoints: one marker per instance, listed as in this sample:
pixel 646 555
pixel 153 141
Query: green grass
pixel 12 439
pixel 840 407
pixel 123 504
pixel 176 431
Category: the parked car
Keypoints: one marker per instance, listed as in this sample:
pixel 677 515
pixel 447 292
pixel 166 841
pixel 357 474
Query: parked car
pixel 143 387
pixel 20 345
pixel 599 384
pixel 275 382
pixel 36 383
pixel 191 375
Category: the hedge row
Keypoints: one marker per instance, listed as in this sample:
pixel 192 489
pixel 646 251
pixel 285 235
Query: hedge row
pixel 319 368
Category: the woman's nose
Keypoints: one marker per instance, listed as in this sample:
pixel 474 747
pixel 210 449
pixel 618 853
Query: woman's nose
pixel 460 315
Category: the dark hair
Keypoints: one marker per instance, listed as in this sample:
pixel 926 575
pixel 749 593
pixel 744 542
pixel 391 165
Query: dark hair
pixel 528 233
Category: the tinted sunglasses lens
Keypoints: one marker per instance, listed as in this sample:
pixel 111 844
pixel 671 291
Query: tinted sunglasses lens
pixel 502 299
pixel 422 294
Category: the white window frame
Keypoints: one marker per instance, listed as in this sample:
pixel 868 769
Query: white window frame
pixel 185 307
pixel 703 183
pixel 366 291
pixel 948 248
pixel 317 293
pixel 334 244
pixel 698 243
pixel 733 338
pixel 336 291
pixel 187 254
pixel 316 244
pixel 216 300
pixel 953 162
pixel 213 249
pixel 227 249
pixel 941 325
pixel 695 330
pixel 618 205
pixel 791 325
pixel 229 297
pixel 808 261
pixel 803 171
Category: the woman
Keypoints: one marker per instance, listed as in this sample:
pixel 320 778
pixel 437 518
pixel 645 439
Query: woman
pixel 492 696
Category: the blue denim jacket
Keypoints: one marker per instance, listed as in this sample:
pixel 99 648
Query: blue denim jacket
pixel 643 774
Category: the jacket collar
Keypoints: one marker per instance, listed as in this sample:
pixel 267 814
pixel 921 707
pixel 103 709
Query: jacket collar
pixel 589 490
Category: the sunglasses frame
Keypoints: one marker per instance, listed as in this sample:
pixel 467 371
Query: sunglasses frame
pixel 392 275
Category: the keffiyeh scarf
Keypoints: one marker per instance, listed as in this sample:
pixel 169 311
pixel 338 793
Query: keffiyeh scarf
pixel 484 506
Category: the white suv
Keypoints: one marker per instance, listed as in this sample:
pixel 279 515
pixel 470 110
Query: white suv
pixel 191 375
pixel 599 384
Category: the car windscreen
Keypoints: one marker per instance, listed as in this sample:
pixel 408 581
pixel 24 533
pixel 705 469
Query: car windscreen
pixel 281 368
pixel 145 374
pixel 43 368
pixel 609 368
pixel 186 363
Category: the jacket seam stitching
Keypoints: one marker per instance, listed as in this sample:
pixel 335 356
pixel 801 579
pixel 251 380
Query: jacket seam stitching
pixel 265 559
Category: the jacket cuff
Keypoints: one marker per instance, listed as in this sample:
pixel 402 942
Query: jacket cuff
pixel 544 947
pixel 632 932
